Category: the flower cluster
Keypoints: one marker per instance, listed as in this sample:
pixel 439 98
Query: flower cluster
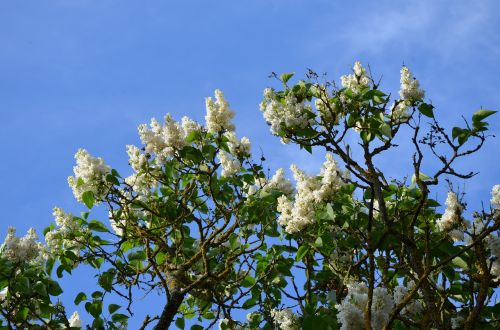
pixel 230 165
pixel 409 92
pixel 162 140
pixel 351 309
pixel 219 115
pixel 64 234
pixel 311 191
pixel 238 148
pixel 74 321
pixel 90 175
pixel 22 249
pixel 357 81
pixel 285 319
pixel 414 307
pixel 495 196
pixel 494 246
pixel 452 218
pixel 410 89
pixel 289 112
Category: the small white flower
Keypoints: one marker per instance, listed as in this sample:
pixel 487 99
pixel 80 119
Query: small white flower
pixel 219 115
pixel 495 196
pixel 230 165
pixel 285 319
pixel 410 90
pixel 74 321
pixel 90 175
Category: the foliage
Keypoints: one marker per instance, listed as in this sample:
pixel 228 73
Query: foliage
pixel 201 223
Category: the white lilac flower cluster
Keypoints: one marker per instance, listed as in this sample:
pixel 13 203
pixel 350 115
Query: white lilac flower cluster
pixel 230 165
pixel 162 140
pixel 494 246
pixel 67 227
pixel 278 182
pixel 75 321
pixel 311 191
pixel 290 113
pixel 409 92
pixel 351 309
pixel 495 196
pixel 410 89
pixel 22 249
pixel 327 111
pixel 219 115
pixel 238 148
pixel 451 221
pixel 285 319
pixel 357 81
pixel 414 307
pixel 90 175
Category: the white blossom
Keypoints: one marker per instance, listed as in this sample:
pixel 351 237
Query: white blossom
pixel 238 148
pixel 399 110
pixel 65 221
pixel 230 165
pixel 137 159
pixel 291 114
pixel 223 324
pixel 189 126
pixel 162 140
pixel 140 183
pixel 351 309
pixel 311 191
pixel 90 175
pixel 330 180
pixel 495 196
pixel 280 183
pixel 219 115
pixel 22 249
pixel 494 245
pixel 357 81
pixel 414 306
pixel 452 215
pixel 285 319
pixel 410 90
pixel 74 321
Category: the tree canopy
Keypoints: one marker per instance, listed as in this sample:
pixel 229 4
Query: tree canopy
pixel 202 222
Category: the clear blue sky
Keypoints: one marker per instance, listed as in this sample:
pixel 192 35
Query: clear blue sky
pixel 76 73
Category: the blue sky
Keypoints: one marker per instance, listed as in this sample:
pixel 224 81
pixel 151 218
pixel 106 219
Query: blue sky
pixel 76 73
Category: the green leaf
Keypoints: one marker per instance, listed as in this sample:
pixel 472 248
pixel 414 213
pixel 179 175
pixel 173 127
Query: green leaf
pixel 248 281
pixel 53 288
pixel 286 76
pixel 88 199
pixel 80 297
pixel 180 323
pixel 119 317
pixel 319 242
pixel 96 225
pixel 197 327
pixel 249 303
pixel 329 211
pixel 112 179
pixel 482 114
pixel 460 263
pixel 301 252
pixel 94 308
pixel 137 255
pixel 113 308
pixel 426 110
pixel 40 288
pixel 385 129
